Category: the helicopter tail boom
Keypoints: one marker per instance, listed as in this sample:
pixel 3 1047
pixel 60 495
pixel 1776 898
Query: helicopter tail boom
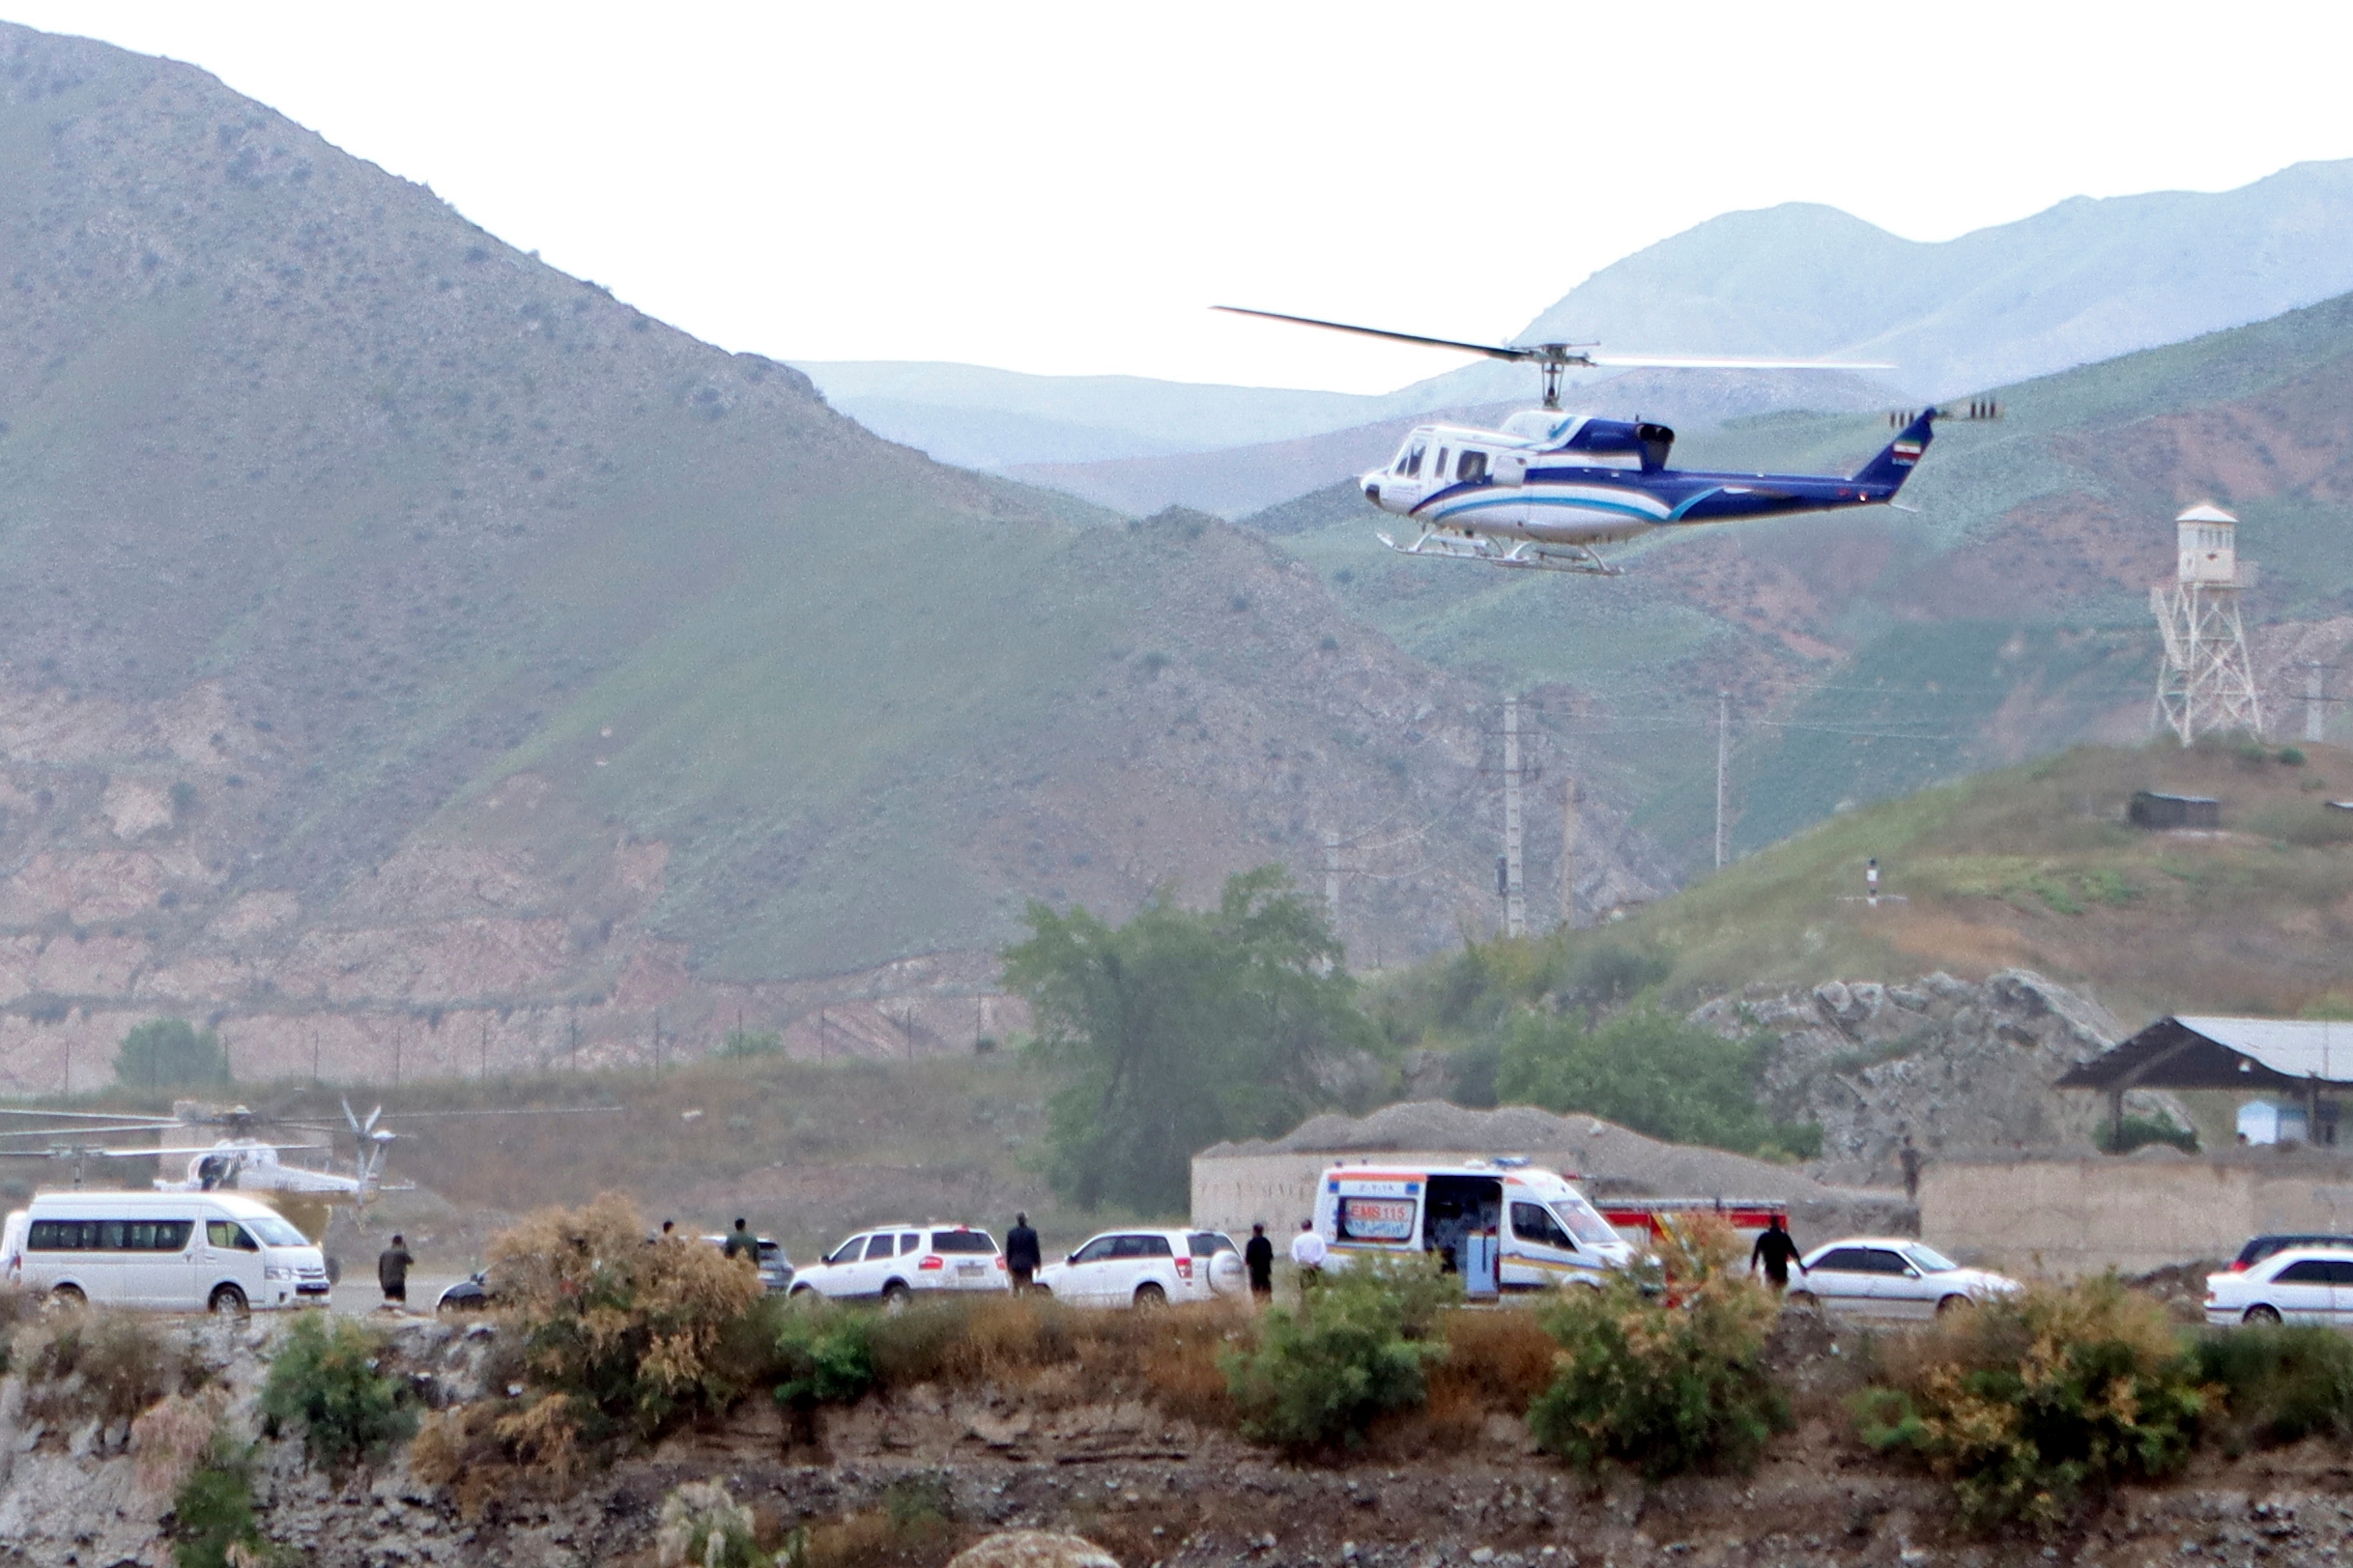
pixel 1894 463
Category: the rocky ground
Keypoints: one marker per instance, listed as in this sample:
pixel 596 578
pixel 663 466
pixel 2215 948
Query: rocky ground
pixel 1151 1490
pixel 1961 1068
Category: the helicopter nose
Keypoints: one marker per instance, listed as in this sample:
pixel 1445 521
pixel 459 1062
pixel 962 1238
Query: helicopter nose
pixel 1371 485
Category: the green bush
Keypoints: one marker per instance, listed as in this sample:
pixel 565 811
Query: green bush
pixel 1653 1071
pixel 2032 1404
pixel 212 1523
pixel 824 1355
pixel 171 1053
pixel 328 1378
pixel 1665 1381
pixel 1355 1349
pixel 2280 1383
pixel 743 1043
pixel 2140 1132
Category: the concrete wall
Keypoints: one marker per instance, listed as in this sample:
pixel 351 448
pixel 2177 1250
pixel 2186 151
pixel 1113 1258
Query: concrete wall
pixel 1230 1193
pixel 2080 1216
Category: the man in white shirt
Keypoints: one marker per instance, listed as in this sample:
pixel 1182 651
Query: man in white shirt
pixel 1308 1256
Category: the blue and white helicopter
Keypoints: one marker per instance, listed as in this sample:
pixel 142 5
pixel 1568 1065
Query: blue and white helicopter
pixel 1541 493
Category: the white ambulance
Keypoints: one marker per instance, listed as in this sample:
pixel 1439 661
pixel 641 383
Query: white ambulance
pixel 170 1251
pixel 1545 1233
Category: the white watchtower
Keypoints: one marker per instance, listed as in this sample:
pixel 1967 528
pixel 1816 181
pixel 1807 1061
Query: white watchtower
pixel 2208 683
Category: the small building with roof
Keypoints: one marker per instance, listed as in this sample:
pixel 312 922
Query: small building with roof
pixel 2308 1063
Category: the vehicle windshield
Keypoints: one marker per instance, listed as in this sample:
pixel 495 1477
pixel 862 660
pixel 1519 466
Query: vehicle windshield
pixel 277 1232
pixel 1583 1223
pixel 848 1251
pixel 1929 1260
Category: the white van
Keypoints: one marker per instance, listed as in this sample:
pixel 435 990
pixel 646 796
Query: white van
pixel 172 1251
pixel 1546 1234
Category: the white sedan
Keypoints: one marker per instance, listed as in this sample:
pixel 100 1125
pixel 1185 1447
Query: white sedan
pixel 1892 1277
pixel 2300 1285
pixel 1147 1268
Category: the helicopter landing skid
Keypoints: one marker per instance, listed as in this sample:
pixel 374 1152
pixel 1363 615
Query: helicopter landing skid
pixel 1525 554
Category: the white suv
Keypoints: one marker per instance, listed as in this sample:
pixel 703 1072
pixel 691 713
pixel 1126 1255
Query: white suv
pixel 892 1262
pixel 1147 1268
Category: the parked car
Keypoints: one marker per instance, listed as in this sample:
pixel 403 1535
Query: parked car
pixel 1148 1269
pixel 2298 1285
pixel 890 1263
pixel 775 1269
pixel 1885 1276
pixel 473 1293
pixel 2265 1246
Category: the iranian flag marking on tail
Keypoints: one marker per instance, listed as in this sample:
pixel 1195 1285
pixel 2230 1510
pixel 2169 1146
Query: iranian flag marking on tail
pixel 1907 452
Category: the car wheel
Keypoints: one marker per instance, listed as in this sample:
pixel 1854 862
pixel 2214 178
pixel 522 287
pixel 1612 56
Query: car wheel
pixel 1805 1301
pixel 896 1296
pixel 805 1295
pixel 69 1295
pixel 1953 1303
pixel 2260 1316
pixel 227 1300
pixel 1149 1295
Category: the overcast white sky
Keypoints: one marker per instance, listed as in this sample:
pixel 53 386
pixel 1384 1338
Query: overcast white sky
pixel 1064 188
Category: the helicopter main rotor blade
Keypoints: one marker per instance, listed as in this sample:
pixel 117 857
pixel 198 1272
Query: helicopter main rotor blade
pixel 1493 351
pixel 96 1115
pixel 1686 361
pixel 545 1110
pixel 87 1132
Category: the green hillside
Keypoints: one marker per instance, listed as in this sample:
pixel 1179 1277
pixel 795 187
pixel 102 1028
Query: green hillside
pixel 406 514
pixel 2035 866
pixel 1869 654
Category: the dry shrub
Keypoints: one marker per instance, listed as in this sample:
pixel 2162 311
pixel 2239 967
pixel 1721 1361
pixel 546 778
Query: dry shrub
pixel 1501 1357
pixel 172 1436
pixel 2034 1404
pixel 83 1362
pixel 703 1526
pixel 498 1448
pixel 1043 1348
pixel 635 1335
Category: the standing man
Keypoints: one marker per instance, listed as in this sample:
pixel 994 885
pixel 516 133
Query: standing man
pixel 1776 1251
pixel 1307 1257
pixel 1258 1257
pixel 1909 1158
pixel 742 1244
pixel 393 1266
pixel 1021 1255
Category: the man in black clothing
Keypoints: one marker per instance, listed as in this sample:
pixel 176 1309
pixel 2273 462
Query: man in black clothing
pixel 1908 1158
pixel 1021 1256
pixel 1776 1251
pixel 742 1244
pixel 393 1266
pixel 1259 1258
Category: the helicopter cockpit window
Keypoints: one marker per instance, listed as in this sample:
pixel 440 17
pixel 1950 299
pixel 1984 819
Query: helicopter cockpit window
pixel 1412 461
pixel 1438 470
pixel 1473 467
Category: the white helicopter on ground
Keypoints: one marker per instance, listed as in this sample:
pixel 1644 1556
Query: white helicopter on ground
pixel 1545 489
pixel 240 1161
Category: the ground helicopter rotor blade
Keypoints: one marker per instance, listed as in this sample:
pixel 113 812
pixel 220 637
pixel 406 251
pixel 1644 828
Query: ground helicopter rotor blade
pixel 1493 351
pixel 1689 361
pixel 96 1115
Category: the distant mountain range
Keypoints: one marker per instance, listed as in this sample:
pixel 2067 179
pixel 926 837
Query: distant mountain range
pixel 2083 281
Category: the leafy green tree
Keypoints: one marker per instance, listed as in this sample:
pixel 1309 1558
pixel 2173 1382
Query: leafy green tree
pixel 1652 1070
pixel 171 1053
pixel 1181 1028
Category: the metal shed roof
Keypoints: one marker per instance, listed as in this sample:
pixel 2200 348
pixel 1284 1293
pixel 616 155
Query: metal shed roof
pixel 2200 1052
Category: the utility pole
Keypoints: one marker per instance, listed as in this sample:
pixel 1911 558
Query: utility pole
pixel 485 1073
pixel 1515 898
pixel 2312 699
pixel 1723 758
pixel 1568 852
pixel 657 1044
pixel 314 1056
pixel 1331 876
pixel 821 1026
pixel 572 1029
